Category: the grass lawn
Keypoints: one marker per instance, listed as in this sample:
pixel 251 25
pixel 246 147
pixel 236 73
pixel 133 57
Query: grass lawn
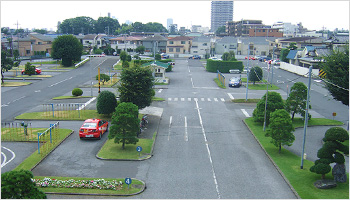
pixel 35 158
pixel 262 87
pixel 70 97
pixel 34 76
pixel 243 101
pixel 216 80
pixel 135 187
pixel 301 179
pixel 17 134
pixel 108 84
pixel 63 115
pixel 14 84
pixel 47 62
pixel 111 150
pixel 157 99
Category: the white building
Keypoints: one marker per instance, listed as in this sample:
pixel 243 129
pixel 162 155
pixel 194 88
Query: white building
pixel 288 29
pixel 169 22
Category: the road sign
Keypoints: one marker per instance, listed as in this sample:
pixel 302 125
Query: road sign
pixel 139 149
pixel 128 181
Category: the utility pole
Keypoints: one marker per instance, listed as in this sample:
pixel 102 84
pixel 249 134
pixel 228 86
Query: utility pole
pixel 17 38
pixel 306 116
pixel 246 95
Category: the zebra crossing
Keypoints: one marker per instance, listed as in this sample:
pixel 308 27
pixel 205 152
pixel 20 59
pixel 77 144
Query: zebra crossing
pixel 182 99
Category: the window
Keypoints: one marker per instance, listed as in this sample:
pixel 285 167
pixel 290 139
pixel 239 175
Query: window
pixel 158 75
pixel 171 42
pixel 195 51
pixel 183 42
pixel 177 49
pixel 194 47
pixel 171 49
pixel 39 42
pixel 27 51
pixel 205 44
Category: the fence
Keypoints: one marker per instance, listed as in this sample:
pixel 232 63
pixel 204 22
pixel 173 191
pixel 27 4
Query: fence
pixel 17 131
pixel 48 139
pixel 221 78
pixel 64 111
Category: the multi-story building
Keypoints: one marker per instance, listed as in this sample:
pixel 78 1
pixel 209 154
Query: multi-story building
pixel 242 27
pixel 201 45
pixel 221 12
pixel 126 43
pixel 179 45
pixel 169 22
pixel 288 29
pixel 265 32
pixel 33 44
pixel 155 43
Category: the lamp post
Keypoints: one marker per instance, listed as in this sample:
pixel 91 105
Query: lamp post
pixel 90 73
pixel 246 95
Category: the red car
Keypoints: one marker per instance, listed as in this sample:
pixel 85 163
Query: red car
pixel 93 128
pixel 37 71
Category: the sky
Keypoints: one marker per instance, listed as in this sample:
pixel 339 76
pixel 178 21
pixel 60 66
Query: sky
pixel 314 15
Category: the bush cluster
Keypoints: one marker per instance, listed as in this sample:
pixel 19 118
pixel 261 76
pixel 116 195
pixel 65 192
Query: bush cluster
pixel 77 92
pixel 223 66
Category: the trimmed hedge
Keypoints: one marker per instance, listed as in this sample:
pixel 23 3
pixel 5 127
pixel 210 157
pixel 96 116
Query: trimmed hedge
pixel 141 62
pixel 77 92
pixel 223 66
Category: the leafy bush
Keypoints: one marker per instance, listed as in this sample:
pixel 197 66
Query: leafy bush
pixel 158 57
pixel 106 103
pixel 29 69
pixel 274 102
pixel 128 58
pixel 19 185
pixel 223 66
pixel 255 74
pixel 98 51
pixel 125 64
pixel 104 78
pixel 77 92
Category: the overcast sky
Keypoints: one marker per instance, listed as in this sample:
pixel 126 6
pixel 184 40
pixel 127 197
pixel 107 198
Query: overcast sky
pixel 45 14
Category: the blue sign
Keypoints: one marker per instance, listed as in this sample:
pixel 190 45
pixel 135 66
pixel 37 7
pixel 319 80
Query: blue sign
pixel 128 181
pixel 138 148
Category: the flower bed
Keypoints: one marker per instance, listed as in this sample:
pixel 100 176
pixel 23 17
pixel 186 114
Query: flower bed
pixel 85 184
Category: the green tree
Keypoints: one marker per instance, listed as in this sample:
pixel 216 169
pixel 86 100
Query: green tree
pixel 125 64
pixel 220 30
pixel 280 129
pixel 284 54
pixel 18 185
pixel 41 31
pixel 336 67
pixel 296 101
pixel 136 86
pixel 226 56
pixel 123 55
pixel 140 49
pixel 29 69
pixel 255 74
pixel 106 24
pixel 5 30
pixel 6 63
pixel 233 57
pixel 125 124
pixel 158 57
pixel 292 46
pixel 106 103
pixel 68 48
pixel 330 151
pixel 103 78
pixel 15 54
pixel 274 102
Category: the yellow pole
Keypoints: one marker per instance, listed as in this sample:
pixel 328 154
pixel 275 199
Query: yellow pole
pixel 99 84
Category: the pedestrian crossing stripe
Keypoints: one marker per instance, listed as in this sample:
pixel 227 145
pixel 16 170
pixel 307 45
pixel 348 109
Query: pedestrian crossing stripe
pixel 322 74
pixel 197 99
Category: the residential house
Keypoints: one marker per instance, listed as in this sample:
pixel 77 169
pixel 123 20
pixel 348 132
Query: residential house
pixel 301 42
pixel 88 41
pixel 308 56
pixel 265 32
pixel 126 43
pixel 155 43
pixel 179 45
pixel 258 46
pixel 336 40
pixel 201 46
pixel 226 44
pixel 35 43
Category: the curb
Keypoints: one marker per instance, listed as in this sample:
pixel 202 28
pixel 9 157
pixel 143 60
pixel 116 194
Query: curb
pixel 93 194
pixel 278 169
pixel 146 158
pixel 51 151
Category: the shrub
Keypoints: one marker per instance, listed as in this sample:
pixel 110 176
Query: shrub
pixel 158 57
pixel 77 92
pixel 125 64
pixel 255 74
pixel 29 69
pixel 223 66
pixel 128 58
pixel 19 185
pixel 106 103
pixel 103 78
pixel 274 102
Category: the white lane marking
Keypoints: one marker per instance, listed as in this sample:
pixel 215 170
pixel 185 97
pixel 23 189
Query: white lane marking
pixel 100 63
pixel 208 150
pixel 175 99
pixel 4 105
pixel 18 99
pixel 5 158
pixel 192 83
pixel 169 99
pixel 61 81
pixel 171 118
pixel 209 99
pixel 202 99
pixel 215 99
pixel 13 157
pixel 186 133
pixel 230 95
pixel 160 90
pixel 182 99
pixel 87 103
pixel 245 112
pixel 222 99
pixel 195 99
pixel 188 99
